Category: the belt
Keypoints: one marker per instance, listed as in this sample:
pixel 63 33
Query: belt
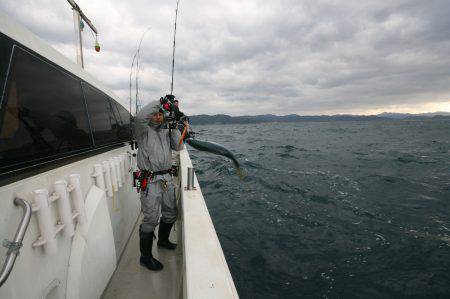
pixel 143 177
pixel 150 173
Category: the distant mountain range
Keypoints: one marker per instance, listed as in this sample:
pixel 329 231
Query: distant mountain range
pixel 409 115
pixel 204 119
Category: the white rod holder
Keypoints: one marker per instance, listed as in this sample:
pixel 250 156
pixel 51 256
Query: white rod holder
pixel 129 161
pixel 77 197
pixel 108 181
pixel 99 179
pixel 123 171
pixel 64 207
pixel 126 163
pixel 46 225
pixel 112 165
pixel 118 171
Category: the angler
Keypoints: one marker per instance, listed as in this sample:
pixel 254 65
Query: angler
pixel 157 191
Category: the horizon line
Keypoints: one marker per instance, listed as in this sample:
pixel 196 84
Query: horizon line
pixel 337 114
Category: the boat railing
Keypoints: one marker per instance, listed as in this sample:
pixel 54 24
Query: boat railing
pixel 15 245
pixel 206 273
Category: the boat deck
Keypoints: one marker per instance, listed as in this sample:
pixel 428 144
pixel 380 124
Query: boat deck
pixel 131 280
pixel 196 269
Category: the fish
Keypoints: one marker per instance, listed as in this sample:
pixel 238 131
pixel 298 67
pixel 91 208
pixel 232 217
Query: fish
pixel 215 148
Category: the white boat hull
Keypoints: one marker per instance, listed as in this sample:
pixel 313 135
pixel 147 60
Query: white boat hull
pixel 59 273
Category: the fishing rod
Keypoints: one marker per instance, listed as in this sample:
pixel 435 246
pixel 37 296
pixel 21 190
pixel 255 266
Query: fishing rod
pixel 136 59
pixel 205 146
pixel 173 115
pixel 131 74
pixel 173 51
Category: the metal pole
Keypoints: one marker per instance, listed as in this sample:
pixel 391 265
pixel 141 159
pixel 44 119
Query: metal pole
pixel 190 178
pixel 79 43
pixel 77 16
pixel 82 15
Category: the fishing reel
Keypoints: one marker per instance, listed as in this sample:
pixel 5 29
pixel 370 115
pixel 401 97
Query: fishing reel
pixel 167 107
pixel 173 117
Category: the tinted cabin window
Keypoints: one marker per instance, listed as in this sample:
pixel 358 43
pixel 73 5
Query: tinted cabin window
pixel 102 115
pixel 123 117
pixel 5 54
pixel 44 112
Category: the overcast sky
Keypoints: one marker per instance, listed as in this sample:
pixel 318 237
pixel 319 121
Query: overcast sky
pixel 256 57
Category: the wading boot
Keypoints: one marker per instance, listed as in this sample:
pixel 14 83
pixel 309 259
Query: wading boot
pixel 147 260
pixel 163 236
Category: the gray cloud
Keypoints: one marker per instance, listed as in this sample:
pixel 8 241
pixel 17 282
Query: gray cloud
pixel 252 57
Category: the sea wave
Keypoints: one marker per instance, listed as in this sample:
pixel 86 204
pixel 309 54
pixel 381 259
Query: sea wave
pixel 349 208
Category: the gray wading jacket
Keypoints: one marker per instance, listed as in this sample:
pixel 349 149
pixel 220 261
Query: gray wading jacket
pixel 154 143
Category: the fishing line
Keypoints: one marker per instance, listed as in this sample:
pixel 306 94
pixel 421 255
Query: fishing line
pixel 138 102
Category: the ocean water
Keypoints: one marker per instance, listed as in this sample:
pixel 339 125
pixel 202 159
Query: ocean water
pixel 332 210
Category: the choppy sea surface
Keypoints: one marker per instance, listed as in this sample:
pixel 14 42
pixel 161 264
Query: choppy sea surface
pixel 334 209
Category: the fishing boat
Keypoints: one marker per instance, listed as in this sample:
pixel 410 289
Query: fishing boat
pixel 69 213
